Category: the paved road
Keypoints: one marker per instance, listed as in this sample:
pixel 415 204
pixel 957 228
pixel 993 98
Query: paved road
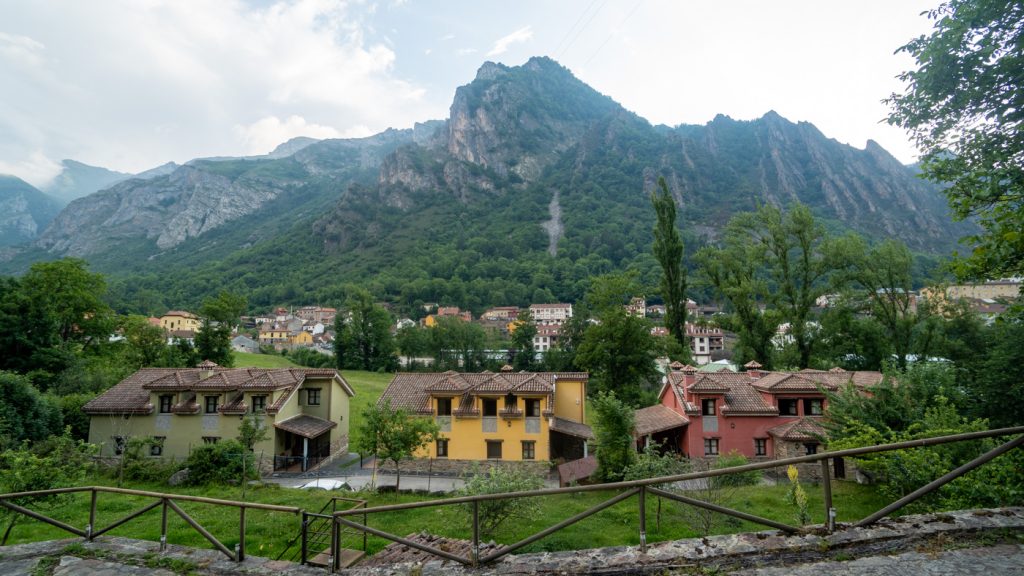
pixel 348 470
pixel 1006 559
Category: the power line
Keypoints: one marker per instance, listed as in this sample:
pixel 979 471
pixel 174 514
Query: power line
pixel 573 27
pixel 582 28
pixel 611 34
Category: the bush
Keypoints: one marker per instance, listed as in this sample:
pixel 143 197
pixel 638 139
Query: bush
pixel 731 460
pixel 138 465
pixel 501 479
pixel 219 463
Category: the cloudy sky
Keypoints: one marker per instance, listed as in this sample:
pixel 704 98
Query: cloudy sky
pixel 131 84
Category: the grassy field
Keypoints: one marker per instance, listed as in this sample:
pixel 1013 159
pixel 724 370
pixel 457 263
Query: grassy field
pixel 269 532
pixel 246 360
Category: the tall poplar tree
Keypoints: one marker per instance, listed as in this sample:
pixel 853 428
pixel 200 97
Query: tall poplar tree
pixel 668 249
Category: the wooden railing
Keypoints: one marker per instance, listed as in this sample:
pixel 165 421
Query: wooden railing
pixel 641 488
pixel 165 501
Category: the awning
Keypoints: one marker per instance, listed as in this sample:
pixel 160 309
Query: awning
pixel 306 426
pixel 572 428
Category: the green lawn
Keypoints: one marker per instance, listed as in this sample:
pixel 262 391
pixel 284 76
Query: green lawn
pixel 246 360
pixel 269 532
pixel 368 387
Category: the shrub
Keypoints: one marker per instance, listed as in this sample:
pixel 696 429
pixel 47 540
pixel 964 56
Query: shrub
pixel 500 479
pixel 731 460
pixel 219 463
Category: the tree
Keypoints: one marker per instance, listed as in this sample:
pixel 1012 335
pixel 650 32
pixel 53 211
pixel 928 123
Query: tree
pixel 456 342
pixel 733 269
pixel 363 339
pixel 72 298
pixel 614 422
pixel 884 271
pixel 25 414
pixel 964 107
pixel 394 434
pixel 618 350
pixel 522 341
pixel 220 314
pixel 668 249
pixel 145 344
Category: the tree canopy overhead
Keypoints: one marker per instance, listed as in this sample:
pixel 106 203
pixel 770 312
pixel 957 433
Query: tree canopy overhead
pixel 964 107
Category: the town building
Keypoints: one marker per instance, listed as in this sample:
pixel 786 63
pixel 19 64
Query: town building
pixel 755 413
pixel 498 416
pixel 305 410
pixel 543 314
pixel 704 341
pixel 180 321
pixel 501 314
pixel 546 337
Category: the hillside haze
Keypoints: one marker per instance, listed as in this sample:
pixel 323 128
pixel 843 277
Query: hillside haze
pixel 534 182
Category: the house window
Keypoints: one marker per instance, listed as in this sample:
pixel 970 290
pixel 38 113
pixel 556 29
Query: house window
pixel 788 406
pixel 490 407
pixel 313 396
pixel 119 442
pixel 444 406
pixel 211 404
pixel 442 447
pixel 707 407
pixel 210 439
pixel 811 448
pixel 259 404
pixel 156 446
pixel 529 450
pixel 494 449
pixel 533 407
pixel 166 400
pixel 711 446
pixel 813 406
pixel 760 446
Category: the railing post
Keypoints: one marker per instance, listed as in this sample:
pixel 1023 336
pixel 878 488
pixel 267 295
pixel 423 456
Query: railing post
pixel 163 526
pixel 476 533
pixel 240 553
pixel 365 534
pixel 826 484
pixel 642 496
pixel 333 560
pixel 92 516
pixel 305 526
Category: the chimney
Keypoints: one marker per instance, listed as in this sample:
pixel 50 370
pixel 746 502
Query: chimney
pixel 206 369
pixel 753 369
pixel 689 375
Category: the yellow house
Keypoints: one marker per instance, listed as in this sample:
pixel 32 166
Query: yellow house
pixel 498 416
pixel 306 411
pixel 301 338
pixel 177 320
pixel 273 335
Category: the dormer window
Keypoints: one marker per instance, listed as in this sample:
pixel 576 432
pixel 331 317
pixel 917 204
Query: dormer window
pixel 211 404
pixel 259 404
pixel 533 407
pixel 444 406
pixel 166 401
pixel 788 406
pixel 707 407
pixel 814 406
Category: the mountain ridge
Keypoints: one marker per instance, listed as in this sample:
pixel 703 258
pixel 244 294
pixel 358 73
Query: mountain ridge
pixel 532 165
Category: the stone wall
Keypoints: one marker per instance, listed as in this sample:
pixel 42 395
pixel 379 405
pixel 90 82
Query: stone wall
pixel 455 468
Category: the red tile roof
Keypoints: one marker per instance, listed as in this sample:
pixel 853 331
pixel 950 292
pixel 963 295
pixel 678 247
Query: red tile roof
pixel 657 418
pixel 305 425
pixel 802 430
pixel 131 395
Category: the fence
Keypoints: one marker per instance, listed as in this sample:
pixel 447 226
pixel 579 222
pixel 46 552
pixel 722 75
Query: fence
pixel 642 488
pixel 166 501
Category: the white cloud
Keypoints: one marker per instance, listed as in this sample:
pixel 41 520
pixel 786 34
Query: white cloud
pixel 36 168
pixel 265 134
pixel 129 85
pixel 502 44
pixel 465 51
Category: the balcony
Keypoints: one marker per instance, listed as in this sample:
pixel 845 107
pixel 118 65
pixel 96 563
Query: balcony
pixel 490 423
pixel 444 423
pixel 511 413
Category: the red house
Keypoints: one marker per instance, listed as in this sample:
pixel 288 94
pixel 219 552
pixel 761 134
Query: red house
pixel 756 413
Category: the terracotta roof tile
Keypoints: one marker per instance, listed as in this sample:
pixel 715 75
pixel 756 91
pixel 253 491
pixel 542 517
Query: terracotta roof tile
pixel 657 418
pixel 131 395
pixel 803 429
pixel 305 425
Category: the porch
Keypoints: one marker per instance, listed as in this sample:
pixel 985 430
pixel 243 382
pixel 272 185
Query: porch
pixel 301 443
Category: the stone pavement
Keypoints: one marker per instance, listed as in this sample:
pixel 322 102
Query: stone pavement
pixel 1005 559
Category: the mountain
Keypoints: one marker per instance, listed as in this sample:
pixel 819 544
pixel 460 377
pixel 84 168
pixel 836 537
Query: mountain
pixel 77 180
pixel 533 183
pixel 24 210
